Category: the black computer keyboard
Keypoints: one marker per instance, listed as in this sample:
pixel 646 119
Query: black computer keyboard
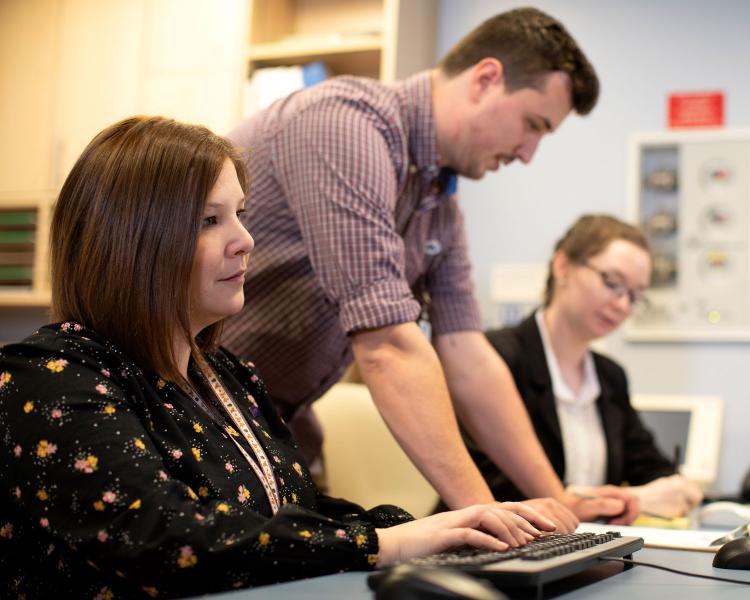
pixel 548 558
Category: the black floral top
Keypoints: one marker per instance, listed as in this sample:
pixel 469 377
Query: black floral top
pixel 115 483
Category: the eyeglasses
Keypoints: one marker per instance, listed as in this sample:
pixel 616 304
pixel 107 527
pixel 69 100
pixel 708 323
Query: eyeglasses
pixel 636 297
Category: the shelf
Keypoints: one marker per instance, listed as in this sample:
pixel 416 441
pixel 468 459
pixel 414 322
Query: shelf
pixel 381 39
pixel 24 298
pixel 314 46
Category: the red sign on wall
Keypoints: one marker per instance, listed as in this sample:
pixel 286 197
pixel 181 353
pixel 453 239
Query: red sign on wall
pixel 699 109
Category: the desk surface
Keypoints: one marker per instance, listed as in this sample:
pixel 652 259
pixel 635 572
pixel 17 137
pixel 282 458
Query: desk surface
pixel 608 579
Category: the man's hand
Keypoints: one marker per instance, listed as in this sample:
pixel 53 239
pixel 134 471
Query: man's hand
pixel 614 504
pixel 563 518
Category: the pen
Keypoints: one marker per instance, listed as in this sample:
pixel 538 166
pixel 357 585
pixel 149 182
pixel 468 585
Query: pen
pixel 676 459
pixel 583 496
pixel 654 515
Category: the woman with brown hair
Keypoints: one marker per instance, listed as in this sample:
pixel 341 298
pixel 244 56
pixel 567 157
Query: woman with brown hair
pixel 577 399
pixel 140 458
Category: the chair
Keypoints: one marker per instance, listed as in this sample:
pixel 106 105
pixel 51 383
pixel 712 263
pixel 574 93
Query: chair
pixel 363 461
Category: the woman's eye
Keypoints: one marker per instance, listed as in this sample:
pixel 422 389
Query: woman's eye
pixel 209 221
pixel 240 212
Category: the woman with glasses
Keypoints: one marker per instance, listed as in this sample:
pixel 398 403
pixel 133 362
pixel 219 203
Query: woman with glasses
pixel 578 399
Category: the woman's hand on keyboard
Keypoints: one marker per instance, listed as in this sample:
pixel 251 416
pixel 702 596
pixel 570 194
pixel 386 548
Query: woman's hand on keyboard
pixel 562 516
pixel 493 526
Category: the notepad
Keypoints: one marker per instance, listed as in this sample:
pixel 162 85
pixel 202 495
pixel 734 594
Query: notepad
pixel 662 522
pixel 655 537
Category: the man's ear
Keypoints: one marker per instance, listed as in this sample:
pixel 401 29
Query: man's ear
pixel 486 74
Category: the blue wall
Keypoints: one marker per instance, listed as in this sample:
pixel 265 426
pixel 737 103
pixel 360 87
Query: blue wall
pixel 642 50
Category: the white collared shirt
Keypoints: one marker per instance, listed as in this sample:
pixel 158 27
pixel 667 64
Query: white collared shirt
pixel 580 423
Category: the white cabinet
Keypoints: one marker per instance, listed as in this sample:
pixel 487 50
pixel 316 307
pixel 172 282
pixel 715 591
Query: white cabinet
pixel 193 61
pixel 28 63
pixel 97 73
pixel 69 68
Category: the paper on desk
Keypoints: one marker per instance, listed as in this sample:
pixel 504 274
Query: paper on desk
pixel 655 537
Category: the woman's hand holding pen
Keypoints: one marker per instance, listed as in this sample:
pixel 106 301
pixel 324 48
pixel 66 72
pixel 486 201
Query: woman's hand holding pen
pixel 668 497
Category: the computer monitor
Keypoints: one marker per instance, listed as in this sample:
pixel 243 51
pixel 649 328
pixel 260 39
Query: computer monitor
pixel 692 423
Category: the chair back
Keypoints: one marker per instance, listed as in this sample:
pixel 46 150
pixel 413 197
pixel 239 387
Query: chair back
pixel 363 461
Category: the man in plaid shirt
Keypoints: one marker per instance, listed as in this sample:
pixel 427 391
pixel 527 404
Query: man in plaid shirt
pixel 359 237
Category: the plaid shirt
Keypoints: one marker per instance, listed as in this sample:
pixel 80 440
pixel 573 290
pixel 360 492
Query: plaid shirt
pixel 352 231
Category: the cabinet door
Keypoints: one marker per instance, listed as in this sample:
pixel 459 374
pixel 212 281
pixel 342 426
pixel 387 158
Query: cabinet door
pixel 28 61
pixel 98 76
pixel 194 61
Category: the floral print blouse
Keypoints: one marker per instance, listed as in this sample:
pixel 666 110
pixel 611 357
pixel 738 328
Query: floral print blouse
pixel 114 483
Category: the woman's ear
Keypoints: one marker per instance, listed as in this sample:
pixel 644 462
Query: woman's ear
pixel 561 266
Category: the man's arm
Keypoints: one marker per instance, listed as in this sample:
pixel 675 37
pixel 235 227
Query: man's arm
pixel 404 376
pixel 491 409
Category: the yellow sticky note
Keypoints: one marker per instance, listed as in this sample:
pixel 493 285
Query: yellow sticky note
pixel 676 523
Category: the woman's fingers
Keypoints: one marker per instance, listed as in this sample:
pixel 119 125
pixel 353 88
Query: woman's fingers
pixel 504 524
pixel 529 519
pixel 468 536
pixel 693 493
pixel 483 526
pixel 499 524
pixel 519 528
pixel 548 514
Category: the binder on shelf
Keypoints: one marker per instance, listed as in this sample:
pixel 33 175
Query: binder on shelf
pixel 17 217
pixel 16 275
pixel 17 247
pixel 16 237
pixel 15 258
pixel 269 84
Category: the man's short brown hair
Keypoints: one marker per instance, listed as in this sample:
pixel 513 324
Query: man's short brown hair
pixel 124 232
pixel 530 44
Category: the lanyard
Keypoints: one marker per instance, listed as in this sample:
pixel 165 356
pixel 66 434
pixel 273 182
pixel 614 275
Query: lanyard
pixel 261 464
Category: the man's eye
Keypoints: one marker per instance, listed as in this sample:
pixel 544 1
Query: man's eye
pixel 209 221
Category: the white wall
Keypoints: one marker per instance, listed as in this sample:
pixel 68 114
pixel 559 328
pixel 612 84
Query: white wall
pixel 642 50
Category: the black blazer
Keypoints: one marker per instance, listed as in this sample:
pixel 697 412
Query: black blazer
pixel 632 455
